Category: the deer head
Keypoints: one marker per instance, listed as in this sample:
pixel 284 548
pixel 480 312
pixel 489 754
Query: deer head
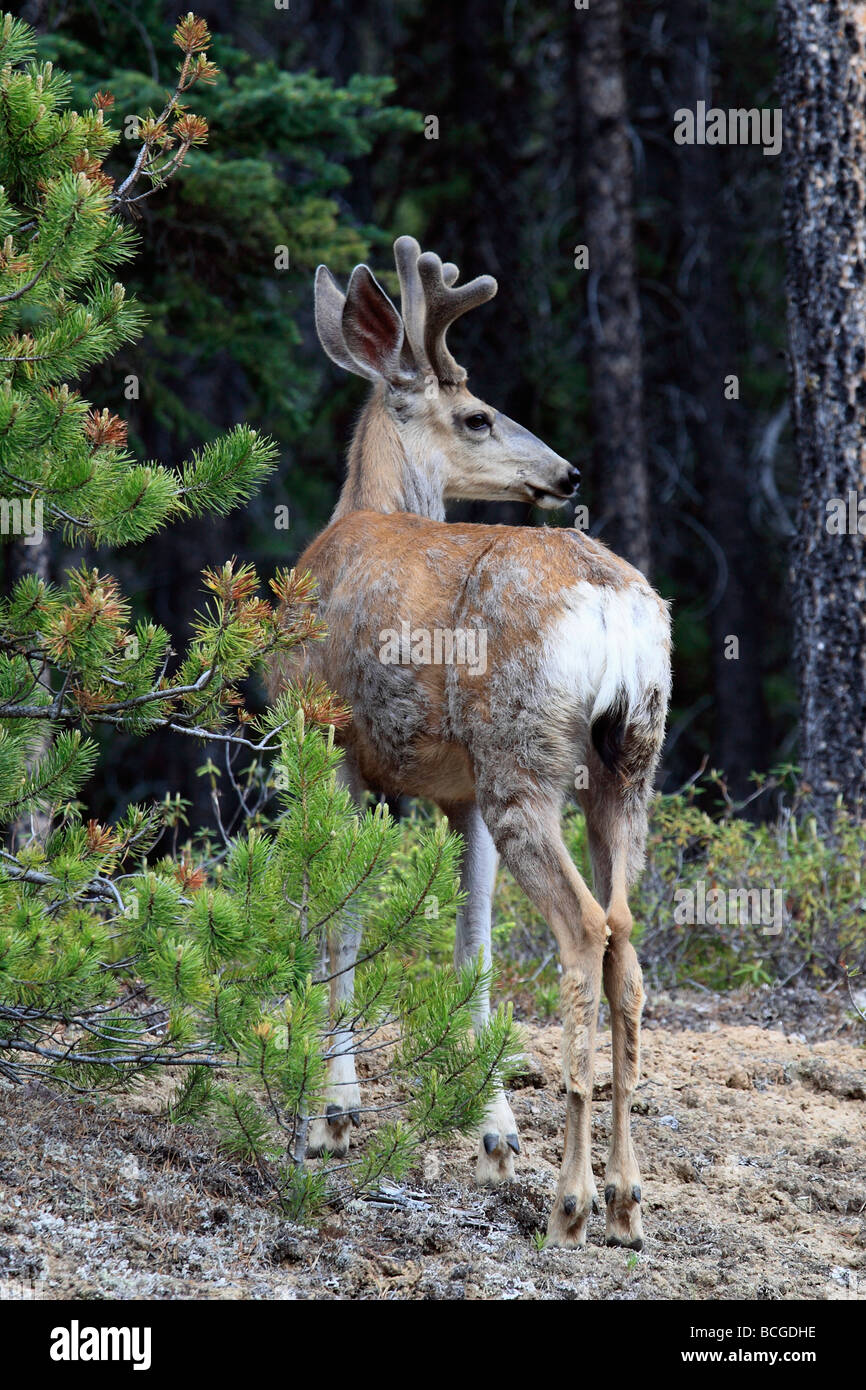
pixel 426 419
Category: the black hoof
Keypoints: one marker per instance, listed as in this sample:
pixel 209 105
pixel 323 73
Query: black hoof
pixel 635 1192
pixel 491 1141
pixel 333 1114
pixel 609 1193
pixel 355 1117
pixel 617 1244
pixel 513 1142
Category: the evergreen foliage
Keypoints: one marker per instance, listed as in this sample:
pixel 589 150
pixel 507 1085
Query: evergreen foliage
pixel 62 311
pixel 282 146
pixel 121 952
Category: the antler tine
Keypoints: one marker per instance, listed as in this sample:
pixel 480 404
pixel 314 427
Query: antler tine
pixel 406 254
pixel 443 305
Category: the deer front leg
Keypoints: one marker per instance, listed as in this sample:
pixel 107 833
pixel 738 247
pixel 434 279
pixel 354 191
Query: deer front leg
pixel 498 1141
pixel 623 985
pixel 329 1132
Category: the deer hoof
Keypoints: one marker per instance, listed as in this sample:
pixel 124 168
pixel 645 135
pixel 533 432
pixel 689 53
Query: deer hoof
pixel 623 1216
pixel 499 1144
pixel 566 1229
pixel 495 1162
pixel 616 1243
pixel 329 1134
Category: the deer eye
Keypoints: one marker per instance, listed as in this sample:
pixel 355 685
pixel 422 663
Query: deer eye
pixel 477 421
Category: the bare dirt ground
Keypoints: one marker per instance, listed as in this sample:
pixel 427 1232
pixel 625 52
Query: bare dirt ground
pixel 752 1142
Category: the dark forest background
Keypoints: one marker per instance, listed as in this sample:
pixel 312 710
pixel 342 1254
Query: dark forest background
pixel 544 143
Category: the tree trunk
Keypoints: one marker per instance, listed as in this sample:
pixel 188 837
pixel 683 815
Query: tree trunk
pixel 717 428
pixel 822 79
pixel 616 372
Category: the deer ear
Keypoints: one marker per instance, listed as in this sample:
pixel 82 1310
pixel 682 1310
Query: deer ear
pixel 372 328
pixel 329 324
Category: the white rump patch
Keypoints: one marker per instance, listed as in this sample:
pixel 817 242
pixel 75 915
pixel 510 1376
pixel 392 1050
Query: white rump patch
pixel 606 642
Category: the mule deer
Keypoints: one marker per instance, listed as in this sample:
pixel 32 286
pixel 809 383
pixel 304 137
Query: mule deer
pixel 571 701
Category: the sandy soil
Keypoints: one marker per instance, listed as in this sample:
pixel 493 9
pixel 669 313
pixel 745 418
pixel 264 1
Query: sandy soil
pixel 752 1143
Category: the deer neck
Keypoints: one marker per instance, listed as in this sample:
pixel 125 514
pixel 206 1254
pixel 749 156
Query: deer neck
pixel 383 475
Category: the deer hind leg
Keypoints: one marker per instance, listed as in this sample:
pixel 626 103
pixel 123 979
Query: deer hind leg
pixel 330 1131
pixel 528 836
pixel 612 847
pixel 498 1141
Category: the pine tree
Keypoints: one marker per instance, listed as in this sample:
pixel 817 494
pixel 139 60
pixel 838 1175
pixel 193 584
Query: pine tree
pixel 238 235
pixel 62 311
pixel 121 952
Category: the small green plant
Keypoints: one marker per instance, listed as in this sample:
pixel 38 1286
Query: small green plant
pixel 752 972
pixel 547 1000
